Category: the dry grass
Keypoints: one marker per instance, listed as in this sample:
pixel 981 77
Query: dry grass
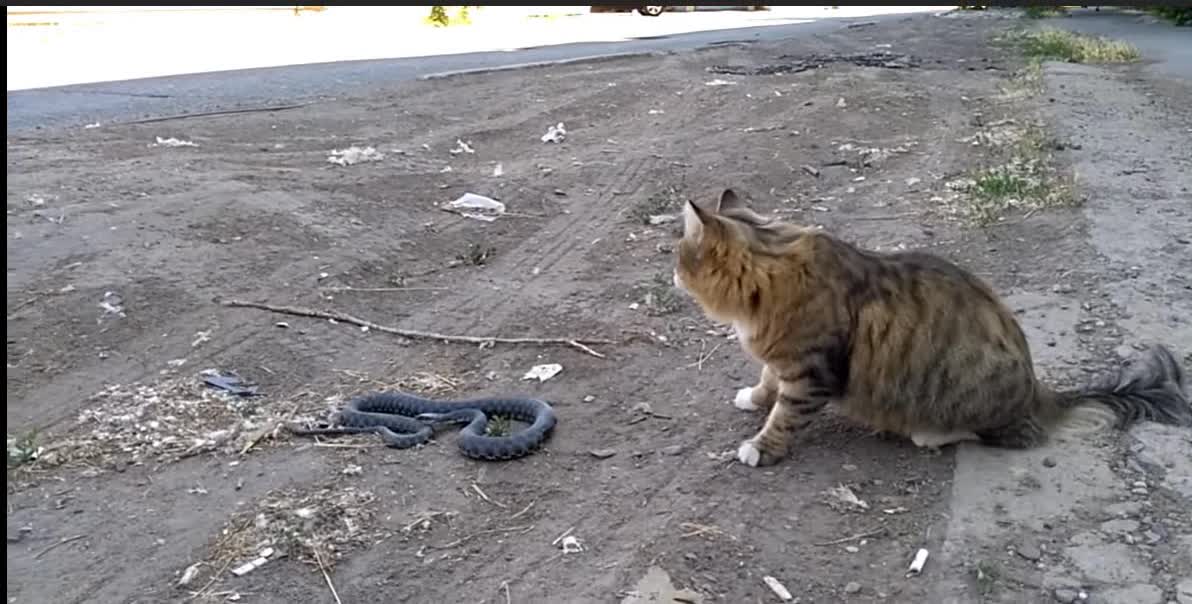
pixel 1052 44
pixel 1025 181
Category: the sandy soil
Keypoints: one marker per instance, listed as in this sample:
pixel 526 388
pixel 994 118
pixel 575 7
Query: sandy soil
pixel 135 484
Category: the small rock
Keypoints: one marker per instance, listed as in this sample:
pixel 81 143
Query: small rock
pixel 852 588
pixel 602 453
pixel 1067 596
pixel 1049 462
pixel 671 450
pixel 1028 551
pixel 1184 591
pixel 1119 526
pixel 1124 351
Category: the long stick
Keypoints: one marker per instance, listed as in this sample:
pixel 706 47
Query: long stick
pixel 186 116
pixel 299 311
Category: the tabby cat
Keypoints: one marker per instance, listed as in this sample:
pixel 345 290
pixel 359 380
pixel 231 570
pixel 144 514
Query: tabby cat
pixel 906 343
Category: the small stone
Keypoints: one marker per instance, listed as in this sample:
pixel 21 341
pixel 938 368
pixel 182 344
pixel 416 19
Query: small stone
pixel 1049 462
pixel 852 588
pixel 1124 351
pixel 1183 591
pixel 1119 526
pixel 602 453
pixel 1067 596
pixel 672 450
pixel 1028 551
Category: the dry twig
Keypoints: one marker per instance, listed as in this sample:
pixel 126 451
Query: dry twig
pixel 870 533
pixel 512 529
pixel 382 289
pixel 326 577
pixel 523 512
pixel 298 311
pixel 185 116
pixel 484 496
pixel 60 543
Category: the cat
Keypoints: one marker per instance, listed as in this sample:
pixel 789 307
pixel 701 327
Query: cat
pixel 906 343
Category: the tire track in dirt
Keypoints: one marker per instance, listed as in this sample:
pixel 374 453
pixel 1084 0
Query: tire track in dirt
pixel 473 304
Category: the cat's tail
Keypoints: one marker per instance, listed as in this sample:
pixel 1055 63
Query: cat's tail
pixel 1152 388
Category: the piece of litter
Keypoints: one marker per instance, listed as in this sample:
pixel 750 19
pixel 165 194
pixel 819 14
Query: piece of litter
pixel 172 142
pixel 543 372
pixel 845 495
pixel 916 566
pixel 812 170
pixel 189 574
pixel 602 453
pixel 658 219
pixel 354 155
pixel 282 325
pixel 841 103
pixel 656 112
pixel 249 566
pixel 92 125
pixel 779 589
pixel 719 82
pixel 477 207
pixel 112 304
pixel 555 134
pixel 498 171
pixel 462 147
pixel 897 510
pixel 912 181
pixel 229 382
pixel 572 545
pixel 352 470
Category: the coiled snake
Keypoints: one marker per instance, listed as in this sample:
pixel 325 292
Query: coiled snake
pixel 404 420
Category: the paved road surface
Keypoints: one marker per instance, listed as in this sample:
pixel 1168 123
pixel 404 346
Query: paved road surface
pixel 76 105
pixel 1170 48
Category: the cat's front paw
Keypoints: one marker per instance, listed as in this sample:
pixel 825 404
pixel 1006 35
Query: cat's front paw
pixel 754 454
pixel 749 454
pixel 744 400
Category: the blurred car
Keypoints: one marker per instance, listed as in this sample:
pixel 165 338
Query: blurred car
pixel 654 11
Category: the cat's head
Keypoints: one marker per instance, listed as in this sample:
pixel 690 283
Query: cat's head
pixel 727 255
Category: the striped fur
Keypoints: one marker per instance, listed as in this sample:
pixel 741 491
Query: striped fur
pixel 907 342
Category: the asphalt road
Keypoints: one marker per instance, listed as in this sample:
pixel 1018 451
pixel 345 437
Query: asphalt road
pixel 1167 49
pixel 77 105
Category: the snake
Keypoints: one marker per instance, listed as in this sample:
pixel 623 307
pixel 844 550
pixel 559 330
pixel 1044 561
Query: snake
pixel 404 420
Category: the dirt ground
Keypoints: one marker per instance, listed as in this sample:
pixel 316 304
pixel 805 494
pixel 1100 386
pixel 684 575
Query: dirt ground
pixel 120 249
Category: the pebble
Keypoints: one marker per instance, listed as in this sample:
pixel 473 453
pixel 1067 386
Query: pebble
pixel 852 588
pixel 1049 462
pixel 602 453
pixel 672 450
pixel 1028 551
pixel 1067 596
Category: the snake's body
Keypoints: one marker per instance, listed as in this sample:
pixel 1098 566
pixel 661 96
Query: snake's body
pixel 404 420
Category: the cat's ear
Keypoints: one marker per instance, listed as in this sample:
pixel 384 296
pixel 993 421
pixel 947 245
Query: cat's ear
pixel 694 220
pixel 729 200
